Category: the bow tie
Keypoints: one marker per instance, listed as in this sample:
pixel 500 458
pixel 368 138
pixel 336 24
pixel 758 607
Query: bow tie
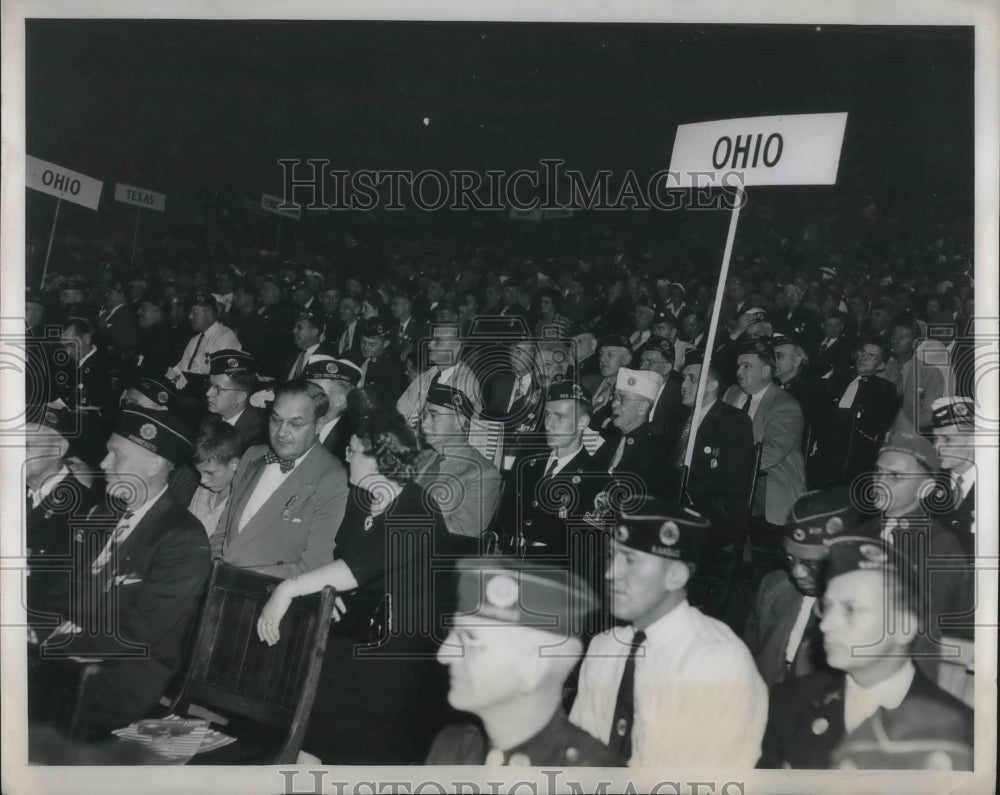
pixel 287 465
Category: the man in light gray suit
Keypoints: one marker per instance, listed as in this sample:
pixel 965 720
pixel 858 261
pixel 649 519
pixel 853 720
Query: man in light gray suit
pixel 288 496
pixel 777 423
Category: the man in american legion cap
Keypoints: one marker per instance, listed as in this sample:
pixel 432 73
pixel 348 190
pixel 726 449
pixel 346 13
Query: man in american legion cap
pixel 143 587
pixel 953 420
pixel 671 686
pixel 338 378
pixel 465 485
pixel 514 641
pixel 614 352
pixel 869 618
pixel 232 379
pixel 782 630
pixel 634 451
pixel 382 372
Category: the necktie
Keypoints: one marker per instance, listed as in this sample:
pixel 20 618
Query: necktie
pixel 197 347
pixel 345 339
pixel 682 443
pixel 551 466
pixel 299 364
pixel 124 525
pixel 287 465
pixel 745 408
pixel 621 725
pixel 618 455
pixel 847 399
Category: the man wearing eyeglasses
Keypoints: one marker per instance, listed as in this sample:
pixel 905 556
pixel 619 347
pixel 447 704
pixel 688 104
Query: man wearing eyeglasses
pixel 869 619
pixel 232 378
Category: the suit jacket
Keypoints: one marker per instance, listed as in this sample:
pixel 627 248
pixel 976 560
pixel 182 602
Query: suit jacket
pixel 847 441
pixel 769 626
pixel 805 721
pixel 119 330
pixel 273 338
pixel 721 464
pixel 152 587
pixel 668 407
pixel 802 324
pixel 293 531
pixel 353 351
pixel 839 357
pixel 252 426
pixel 643 462
pixel 386 378
pixel 408 341
pixel 336 440
pixel 808 392
pixel 961 519
pixel 466 487
pixel 778 424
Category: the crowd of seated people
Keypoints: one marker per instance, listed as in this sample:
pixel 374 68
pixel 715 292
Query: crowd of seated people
pixel 564 417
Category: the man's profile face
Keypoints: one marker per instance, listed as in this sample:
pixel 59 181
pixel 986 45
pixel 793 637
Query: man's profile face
pixel 785 360
pixel 635 582
pixel 752 373
pixel 955 448
pixel 481 654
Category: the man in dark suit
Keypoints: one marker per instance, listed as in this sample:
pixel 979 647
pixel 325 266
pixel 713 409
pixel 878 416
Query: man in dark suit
pixel 797 321
pixel 658 357
pixel 348 346
pixel 614 353
pixel 777 423
pixel 954 423
pixel 338 378
pixel 515 397
pixel 636 458
pixel 794 376
pixel 835 352
pixel 232 379
pixel 142 590
pixel 868 640
pixel 408 331
pixel 718 483
pixel 273 319
pixel 585 369
pixel 116 325
pixel 382 372
pixel 289 496
pixel 857 411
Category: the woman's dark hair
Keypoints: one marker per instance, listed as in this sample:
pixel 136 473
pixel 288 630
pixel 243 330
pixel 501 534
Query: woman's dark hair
pixel 552 295
pixel 217 441
pixel 386 436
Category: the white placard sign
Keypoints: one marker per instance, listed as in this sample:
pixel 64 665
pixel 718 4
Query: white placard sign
pixel 766 150
pixel 531 214
pixel 62 182
pixel 147 199
pixel 272 204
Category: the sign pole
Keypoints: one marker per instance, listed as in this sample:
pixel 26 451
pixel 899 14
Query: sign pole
pixel 48 251
pixel 710 339
pixel 135 234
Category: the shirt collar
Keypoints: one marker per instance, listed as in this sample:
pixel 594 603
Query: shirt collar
pixel 46 488
pixel 235 418
pixel 666 626
pixel 561 461
pixel 860 703
pixel 86 356
pixel 143 509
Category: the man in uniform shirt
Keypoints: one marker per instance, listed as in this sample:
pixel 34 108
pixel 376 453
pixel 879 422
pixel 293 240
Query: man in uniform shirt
pixel 671 687
pixel 338 378
pixel 465 485
pixel 504 669
pixel 147 582
pixel 288 496
pixel 209 336
pixel 954 423
pixel 782 629
pixel 870 618
pixel 382 372
pixel 232 379
pixel 307 336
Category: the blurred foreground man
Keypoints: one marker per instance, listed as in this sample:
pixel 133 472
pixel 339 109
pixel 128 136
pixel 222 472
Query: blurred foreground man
pixel 672 687
pixel 508 662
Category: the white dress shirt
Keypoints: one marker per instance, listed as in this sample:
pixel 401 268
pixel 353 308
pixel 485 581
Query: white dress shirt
pixel 46 488
pixel 305 360
pixel 217 338
pixel 270 479
pixel 124 529
pixel 561 461
pixel 860 703
pixel 699 699
pixel 327 428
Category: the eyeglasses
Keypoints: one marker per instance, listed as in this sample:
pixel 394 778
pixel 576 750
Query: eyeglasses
pixel 618 397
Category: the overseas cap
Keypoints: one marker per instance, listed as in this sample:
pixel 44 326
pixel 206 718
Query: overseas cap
pixel 816 518
pixel 375 327
pixel 663 528
pixel 159 432
pixel 524 593
pixel 158 389
pixel 231 362
pixel 616 341
pixel 447 397
pixel 325 368
pixel 569 390
pixel 644 383
pixel 947 412
pixel 913 445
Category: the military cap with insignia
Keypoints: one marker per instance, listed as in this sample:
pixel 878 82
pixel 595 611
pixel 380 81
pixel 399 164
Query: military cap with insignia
pixel 326 368
pixel 313 317
pixel 616 341
pixel 62 421
pixel 230 362
pixel 816 518
pixel 761 348
pixel 159 389
pixel 374 327
pixel 205 299
pixel 524 593
pixel 663 528
pixel 442 395
pixel 568 390
pixel 783 339
pixel 644 383
pixel 847 553
pixel 661 344
pixel 912 444
pixel 960 412
pixel 160 432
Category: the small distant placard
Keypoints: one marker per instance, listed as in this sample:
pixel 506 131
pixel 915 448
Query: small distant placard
pixel 147 199
pixel 534 214
pixel 766 150
pixel 558 212
pixel 62 182
pixel 272 204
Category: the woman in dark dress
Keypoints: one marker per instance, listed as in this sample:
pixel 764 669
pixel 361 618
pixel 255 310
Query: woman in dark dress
pixel 382 696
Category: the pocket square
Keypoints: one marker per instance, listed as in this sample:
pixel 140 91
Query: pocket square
pixel 127 579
